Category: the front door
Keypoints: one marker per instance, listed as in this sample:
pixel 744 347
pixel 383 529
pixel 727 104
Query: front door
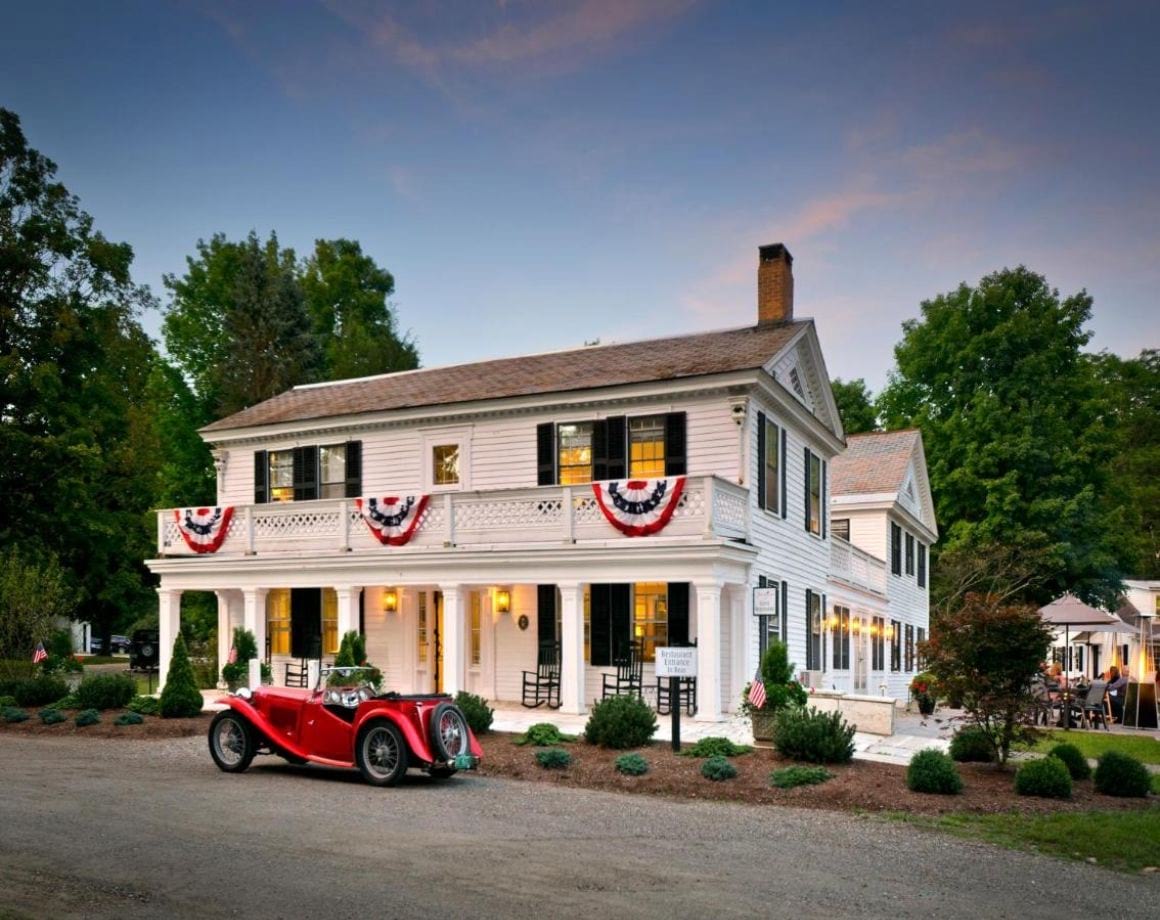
pixel 860 656
pixel 438 637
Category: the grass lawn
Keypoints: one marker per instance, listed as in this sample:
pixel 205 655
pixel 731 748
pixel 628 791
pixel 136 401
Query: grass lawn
pixel 1093 744
pixel 1124 840
pixel 106 659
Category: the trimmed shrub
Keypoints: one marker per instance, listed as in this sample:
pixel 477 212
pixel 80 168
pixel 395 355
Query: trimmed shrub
pixel 553 759
pixel 789 777
pixel 781 690
pixel 933 772
pixel 145 705
pixel 1073 759
pixel 180 699
pixel 716 746
pixel 543 734
pixel 87 717
pixel 813 736
pixel 128 718
pixel 12 714
pixel 52 716
pixel 718 769
pixel 6 701
pixel 1047 778
pixel 475 710
pixel 67 702
pixel 105 691
pixel 39 691
pixel 971 745
pixel 631 765
pixel 1122 776
pixel 621 722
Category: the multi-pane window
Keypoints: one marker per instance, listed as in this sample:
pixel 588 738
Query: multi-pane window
pixel 772 467
pixel 476 627
pixel 895 549
pixel 910 554
pixel 646 447
pixel 922 565
pixel 840 527
pixel 895 645
pixel 877 644
pixel 909 647
pixel 841 640
pixel 332 471
pixel 281 465
pixel 278 620
pixel 574 453
pixel 919 638
pixel 650 617
pixel 445 464
pixel 814 502
pixel 330 637
pixel 814 628
pixel 421 633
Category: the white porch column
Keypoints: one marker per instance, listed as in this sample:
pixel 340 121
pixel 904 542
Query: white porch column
pixel 738 620
pixel 347 609
pixel 452 638
pixel 254 619
pixel 225 631
pixel 572 648
pixel 168 625
pixel 708 651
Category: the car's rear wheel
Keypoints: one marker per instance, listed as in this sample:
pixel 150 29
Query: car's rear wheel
pixel 449 735
pixel 231 742
pixel 381 754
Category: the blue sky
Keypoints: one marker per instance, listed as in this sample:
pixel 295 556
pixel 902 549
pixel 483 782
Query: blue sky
pixel 540 173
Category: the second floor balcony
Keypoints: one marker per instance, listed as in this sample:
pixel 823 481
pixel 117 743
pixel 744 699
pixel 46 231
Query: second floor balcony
pixel 856 567
pixel 709 507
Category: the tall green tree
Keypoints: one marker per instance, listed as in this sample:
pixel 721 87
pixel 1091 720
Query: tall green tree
pixel 855 405
pixel 356 328
pixel 1016 428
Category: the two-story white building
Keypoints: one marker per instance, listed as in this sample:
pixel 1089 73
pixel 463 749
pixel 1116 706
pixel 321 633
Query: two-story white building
pixel 465 518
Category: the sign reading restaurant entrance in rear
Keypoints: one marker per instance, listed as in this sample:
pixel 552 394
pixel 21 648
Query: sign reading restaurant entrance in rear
pixel 676 662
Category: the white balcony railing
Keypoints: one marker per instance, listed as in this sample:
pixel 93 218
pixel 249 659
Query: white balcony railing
pixel 857 567
pixel 709 506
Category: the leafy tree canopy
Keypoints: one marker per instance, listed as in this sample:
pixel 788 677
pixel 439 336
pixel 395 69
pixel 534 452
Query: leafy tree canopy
pixel 855 405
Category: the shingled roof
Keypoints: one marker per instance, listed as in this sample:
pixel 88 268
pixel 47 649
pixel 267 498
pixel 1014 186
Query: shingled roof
pixel 672 358
pixel 873 462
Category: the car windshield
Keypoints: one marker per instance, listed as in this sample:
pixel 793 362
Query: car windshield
pixel 346 687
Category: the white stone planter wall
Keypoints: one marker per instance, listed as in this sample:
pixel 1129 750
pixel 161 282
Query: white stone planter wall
pixel 873 715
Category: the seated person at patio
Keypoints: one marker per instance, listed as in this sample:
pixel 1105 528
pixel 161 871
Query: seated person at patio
pixel 1117 684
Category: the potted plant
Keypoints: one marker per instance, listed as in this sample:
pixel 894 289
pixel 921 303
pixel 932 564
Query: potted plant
pixel 922 691
pixel 781 691
pixel 235 673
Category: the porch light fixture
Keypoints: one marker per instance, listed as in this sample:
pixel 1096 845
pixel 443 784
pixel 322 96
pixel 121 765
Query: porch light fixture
pixel 503 600
pixel 390 600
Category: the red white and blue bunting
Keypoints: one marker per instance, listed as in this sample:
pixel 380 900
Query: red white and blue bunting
pixel 392 518
pixel 639 507
pixel 204 529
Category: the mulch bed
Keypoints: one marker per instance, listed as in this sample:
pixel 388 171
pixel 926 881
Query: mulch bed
pixel 153 728
pixel 858 786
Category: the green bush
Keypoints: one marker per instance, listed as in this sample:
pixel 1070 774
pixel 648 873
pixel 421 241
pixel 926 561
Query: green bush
pixel 621 722
pixel 475 710
pixel 543 734
pixel 1073 759
pixel 105 691
pixel 972 745
pixel 180 699
pixel 1122 776
pixel 6 701
pixel 931 771
pixel 1047 778
pixel 781 690
pixel 12 714
pixel 631 765
pixel 52 716
pixel 718 769
pixel 39 691
pixel 66 702
pixel 813 736
pixel 128 718
pixel 716 746
pixel 145 705
pixel 87 717
pixel 789 777
pixel 553 759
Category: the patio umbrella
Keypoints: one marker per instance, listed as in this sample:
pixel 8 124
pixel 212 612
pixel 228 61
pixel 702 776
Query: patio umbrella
pixel 1070 612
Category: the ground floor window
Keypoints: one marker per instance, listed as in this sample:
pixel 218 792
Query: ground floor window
pixel 909 647
pixel 841 627
pixel 476 626
pixel 878 644
pixel 650 617
pixel 278 621
pixel 813 631
pixel 330 637
pixel 771 626
pixel 895 634
pixel 919 639
pixel 421 629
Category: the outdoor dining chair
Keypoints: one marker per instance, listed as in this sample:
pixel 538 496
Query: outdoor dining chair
pixel 629 677
pixel 1093 709
pixel 542 686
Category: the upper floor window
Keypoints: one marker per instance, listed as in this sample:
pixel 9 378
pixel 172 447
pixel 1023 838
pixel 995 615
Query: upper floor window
pixel 574 453
pixel 308 472
pixel 910 554
pixel 646 447
pixel 332 471
pixel 445 465
pixel 814 492
pixel 895 549
pixel 922 565
pixel 771 466
pixel 281 475
pixel 841 528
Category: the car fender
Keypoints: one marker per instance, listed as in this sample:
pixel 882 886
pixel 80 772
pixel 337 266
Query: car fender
pixel 261 724
pixel 415 740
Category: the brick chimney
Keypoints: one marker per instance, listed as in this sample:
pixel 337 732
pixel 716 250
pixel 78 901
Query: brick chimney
pixel 774 284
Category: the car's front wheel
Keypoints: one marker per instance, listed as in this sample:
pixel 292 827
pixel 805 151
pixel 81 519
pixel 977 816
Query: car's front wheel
pixel 381 754
pixel 231 742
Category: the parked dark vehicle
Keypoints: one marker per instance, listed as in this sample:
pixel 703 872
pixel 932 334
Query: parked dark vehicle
pixel 144 652
pixel 118 645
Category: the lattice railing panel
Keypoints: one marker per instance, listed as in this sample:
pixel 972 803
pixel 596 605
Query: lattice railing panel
pixel 509 514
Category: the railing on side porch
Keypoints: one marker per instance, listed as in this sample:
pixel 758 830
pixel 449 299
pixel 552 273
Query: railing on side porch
pixel 857 567
pixel 709 506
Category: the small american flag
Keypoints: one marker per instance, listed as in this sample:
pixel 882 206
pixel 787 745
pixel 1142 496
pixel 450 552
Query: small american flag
pixel 40 654
pixel 757 691
pixel 233 656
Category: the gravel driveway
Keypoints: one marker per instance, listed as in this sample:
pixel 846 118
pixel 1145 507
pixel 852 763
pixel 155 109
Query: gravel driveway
pixel 140 829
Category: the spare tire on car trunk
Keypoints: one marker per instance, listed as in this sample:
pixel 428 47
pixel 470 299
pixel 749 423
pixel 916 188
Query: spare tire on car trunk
pixel 448 732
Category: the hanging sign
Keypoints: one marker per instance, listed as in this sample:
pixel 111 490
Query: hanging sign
pixel 765 602
pixel 392 519
pixel 204 529
pixel 639 507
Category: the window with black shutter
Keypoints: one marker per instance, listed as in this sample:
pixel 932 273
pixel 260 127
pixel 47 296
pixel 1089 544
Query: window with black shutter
pixel 895 549
pixel 761 466
pixel 769 461
pixel 678 613
pixel 909 647
pixel 910 554
pixel 305 474
pixel 784 487
pixel 813 503
pixel 813 631
pixel 895 645
pixel 546 454
pixel 676 447
pixel 614 448
pixel 545 614
pixel 353 469
pixel 841 638
pixel 306 623
pixel 922 565
pixel 261 478
pixel 610 614
pixel 770 628
pixel 877 644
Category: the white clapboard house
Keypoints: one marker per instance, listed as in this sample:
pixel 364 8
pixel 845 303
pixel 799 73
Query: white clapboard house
pixel 568 511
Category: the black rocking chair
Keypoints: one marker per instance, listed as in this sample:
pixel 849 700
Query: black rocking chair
pixel 543 684
pixel 297 675
pixel 629 677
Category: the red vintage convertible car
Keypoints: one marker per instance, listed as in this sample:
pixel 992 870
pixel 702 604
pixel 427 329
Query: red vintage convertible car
pixel 345 722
